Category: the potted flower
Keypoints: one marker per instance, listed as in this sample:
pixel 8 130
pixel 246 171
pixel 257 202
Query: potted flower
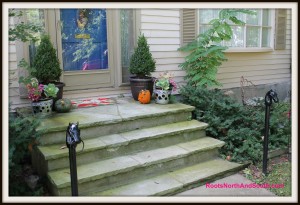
pixel 164 85
pixel 141 65
pixel 41 96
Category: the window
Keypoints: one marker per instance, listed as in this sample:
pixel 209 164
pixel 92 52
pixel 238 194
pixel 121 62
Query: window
pixel 256 33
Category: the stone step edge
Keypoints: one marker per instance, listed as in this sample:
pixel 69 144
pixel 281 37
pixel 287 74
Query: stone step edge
pixel 201 126
pixel 115 121
pixel 177 185
pixel 96 176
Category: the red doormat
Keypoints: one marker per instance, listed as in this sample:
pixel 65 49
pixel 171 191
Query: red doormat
pixel 91 102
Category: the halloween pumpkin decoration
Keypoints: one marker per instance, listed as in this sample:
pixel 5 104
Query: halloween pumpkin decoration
pixel 144 96
pixel 63 105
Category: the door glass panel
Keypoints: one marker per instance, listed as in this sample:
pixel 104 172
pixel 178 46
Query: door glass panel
pixel 127 41
pixel 84 39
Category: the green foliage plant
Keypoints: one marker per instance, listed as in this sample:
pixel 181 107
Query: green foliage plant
pixel 141 61
pixel 22 31
pixel 50 90
pixel 163 84
pixel 22 133
pixel 46 66
pixel 205 52
pixel 165 81
pixel 240 127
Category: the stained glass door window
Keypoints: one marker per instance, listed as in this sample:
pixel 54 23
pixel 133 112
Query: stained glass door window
pixel 84 39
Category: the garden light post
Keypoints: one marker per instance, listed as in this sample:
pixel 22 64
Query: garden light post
pixel 270 96
pixel 72 139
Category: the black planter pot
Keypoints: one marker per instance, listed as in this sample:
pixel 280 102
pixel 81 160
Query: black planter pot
pixel 59 95
pixel 60 86
pixel 138 84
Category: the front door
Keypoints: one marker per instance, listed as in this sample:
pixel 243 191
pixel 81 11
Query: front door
pixel 84 48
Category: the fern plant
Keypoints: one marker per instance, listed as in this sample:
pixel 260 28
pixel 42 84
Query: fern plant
pixel 205 52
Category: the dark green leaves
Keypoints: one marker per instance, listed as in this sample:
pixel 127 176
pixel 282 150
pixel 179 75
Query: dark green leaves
pixel 240 127
pixel 142 62
pixel 46 66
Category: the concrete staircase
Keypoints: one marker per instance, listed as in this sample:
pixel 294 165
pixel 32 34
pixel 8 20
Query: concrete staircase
pixel 131 150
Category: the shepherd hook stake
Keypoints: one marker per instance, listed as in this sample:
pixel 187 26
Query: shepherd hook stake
pixel 270 96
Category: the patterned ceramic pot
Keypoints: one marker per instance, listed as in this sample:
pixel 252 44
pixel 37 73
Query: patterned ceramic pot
pixel 42 107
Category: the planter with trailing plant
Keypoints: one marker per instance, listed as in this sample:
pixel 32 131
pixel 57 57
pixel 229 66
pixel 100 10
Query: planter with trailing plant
pixel 141 65
pixel 41 96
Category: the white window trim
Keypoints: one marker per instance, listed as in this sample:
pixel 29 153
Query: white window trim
pixel 250 49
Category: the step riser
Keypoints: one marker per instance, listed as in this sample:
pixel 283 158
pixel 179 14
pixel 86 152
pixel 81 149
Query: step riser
pixel 119 127
pixel 136 174
pixel 136 146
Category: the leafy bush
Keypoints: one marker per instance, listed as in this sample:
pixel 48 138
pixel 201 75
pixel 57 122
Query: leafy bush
pixel 240 127
pixel 22 31
pixel 22 133
pixel 141 61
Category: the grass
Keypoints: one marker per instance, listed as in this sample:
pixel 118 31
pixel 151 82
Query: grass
pixel 278 172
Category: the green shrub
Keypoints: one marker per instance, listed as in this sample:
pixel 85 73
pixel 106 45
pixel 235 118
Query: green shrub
pixel 141 61
pixel 22 132
pixel 45 63
pixel 240 127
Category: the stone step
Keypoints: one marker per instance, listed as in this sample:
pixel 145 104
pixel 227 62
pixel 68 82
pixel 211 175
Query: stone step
pixel 112 119
pixel 176 181
pixel 52 157
pixel 105 174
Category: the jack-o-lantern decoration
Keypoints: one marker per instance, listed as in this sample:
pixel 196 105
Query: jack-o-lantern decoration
pixel 144 96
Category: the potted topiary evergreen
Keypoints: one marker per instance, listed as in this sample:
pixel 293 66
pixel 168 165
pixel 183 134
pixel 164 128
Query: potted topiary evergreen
pixel 141 65
pixel 46 66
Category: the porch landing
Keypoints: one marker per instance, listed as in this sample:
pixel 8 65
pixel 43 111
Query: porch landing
pixel 130 149
pixel 123 109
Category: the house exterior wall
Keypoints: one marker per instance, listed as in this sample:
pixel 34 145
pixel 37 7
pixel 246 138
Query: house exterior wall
pixel 162 29
pixel 13 78
pixel 260 68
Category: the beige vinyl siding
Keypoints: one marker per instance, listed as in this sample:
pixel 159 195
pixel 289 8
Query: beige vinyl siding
pixel 161 27
pixel 13 58
pixel 163 31
pixel 260 68
pixel 13 67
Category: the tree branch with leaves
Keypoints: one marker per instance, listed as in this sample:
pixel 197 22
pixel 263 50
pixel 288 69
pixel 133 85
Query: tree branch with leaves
pixel 206 53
